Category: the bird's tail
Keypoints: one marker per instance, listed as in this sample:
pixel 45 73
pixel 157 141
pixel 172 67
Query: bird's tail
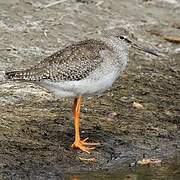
pixel 15 75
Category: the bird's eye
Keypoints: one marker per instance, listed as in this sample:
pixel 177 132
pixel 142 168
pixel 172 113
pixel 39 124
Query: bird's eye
pixel 125 38
pixel 121 37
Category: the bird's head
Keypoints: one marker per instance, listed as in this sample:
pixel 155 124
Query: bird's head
pixel 129 38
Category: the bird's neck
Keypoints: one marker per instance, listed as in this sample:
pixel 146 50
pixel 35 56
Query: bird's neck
pixel 120 50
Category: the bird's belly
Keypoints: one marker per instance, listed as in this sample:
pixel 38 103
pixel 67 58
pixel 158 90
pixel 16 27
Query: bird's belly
pixel 86 87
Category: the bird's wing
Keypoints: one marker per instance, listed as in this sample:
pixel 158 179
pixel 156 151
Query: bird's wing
pixel 74 62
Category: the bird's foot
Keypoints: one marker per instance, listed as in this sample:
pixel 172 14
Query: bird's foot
pixel 83 145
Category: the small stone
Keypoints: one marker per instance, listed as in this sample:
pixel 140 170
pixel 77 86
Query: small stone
pixel 112 115
pixel 149 161
pixel 138 105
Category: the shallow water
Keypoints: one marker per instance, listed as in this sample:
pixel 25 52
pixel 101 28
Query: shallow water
pixel 165 171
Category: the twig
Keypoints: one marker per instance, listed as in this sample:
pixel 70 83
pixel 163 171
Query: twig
pixel 88 159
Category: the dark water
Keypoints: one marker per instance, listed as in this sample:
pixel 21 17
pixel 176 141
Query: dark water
pixel 165 171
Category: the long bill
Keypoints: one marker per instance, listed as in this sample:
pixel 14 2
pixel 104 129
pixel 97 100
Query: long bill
pixel 148 49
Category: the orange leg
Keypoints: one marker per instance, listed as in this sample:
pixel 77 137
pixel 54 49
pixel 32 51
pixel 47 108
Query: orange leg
pixel 78 143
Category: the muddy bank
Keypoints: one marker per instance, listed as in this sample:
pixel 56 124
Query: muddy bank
pixel 36 130
pixel 169 169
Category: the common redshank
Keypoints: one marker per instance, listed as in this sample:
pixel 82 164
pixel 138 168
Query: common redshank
pixel 83 69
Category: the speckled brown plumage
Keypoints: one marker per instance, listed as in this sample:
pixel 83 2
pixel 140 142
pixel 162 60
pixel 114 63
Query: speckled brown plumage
pixel 74 62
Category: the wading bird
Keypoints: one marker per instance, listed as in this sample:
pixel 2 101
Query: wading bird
pixel 83 69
